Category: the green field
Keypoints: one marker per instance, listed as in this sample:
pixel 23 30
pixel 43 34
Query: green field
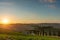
pixel 26 37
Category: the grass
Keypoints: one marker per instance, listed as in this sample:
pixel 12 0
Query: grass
pixel 27 37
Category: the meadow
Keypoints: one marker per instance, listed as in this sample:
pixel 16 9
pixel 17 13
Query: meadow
pixel 26 37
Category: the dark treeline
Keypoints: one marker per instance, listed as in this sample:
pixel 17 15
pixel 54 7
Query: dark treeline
pixel 44 31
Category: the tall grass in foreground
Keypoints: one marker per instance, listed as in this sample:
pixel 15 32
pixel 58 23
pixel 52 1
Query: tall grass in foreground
pixel 27 37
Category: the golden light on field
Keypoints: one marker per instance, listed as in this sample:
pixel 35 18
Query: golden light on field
pixel 5 21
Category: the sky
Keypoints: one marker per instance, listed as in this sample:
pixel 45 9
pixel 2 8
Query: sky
pixel 30 11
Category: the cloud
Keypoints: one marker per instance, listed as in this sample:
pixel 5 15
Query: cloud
pixel 47 1
pixel 6 3
pixel 51 6
pixel 51 1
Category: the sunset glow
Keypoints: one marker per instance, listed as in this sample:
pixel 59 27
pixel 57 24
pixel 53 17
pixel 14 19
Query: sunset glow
pixel 5 21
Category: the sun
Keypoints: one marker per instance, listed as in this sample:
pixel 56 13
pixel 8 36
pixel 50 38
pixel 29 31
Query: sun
pixel 5 21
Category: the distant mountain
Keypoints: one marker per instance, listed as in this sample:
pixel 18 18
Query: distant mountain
pixel 55 25
pixel 23 27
